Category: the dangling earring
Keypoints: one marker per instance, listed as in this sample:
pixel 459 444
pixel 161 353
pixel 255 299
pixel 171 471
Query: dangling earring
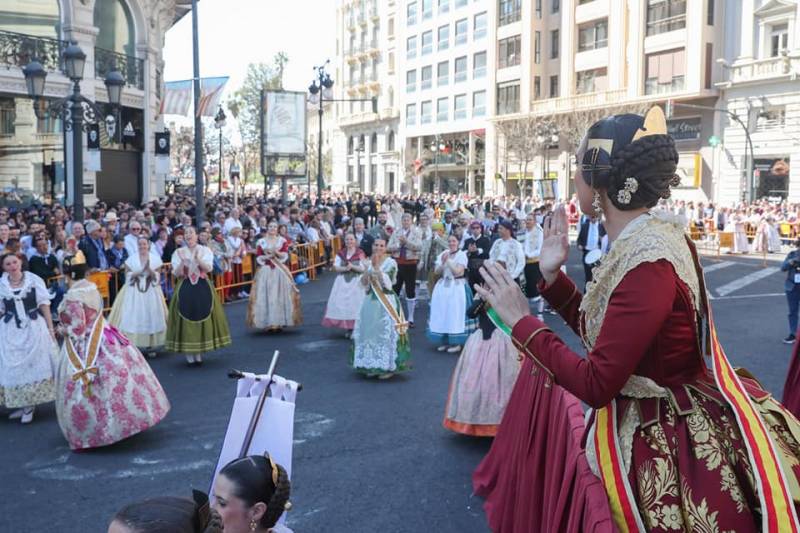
pixel 253 525
pixel 596 206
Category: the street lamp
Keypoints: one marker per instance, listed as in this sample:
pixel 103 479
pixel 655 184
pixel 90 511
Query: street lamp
pixel 323 81
pixel 219 122
pixel 75 110
pixel 437 147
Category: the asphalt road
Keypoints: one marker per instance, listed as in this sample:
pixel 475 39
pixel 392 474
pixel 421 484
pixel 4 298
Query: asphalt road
pixel 369 456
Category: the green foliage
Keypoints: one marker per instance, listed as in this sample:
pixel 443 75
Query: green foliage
pixel 244 105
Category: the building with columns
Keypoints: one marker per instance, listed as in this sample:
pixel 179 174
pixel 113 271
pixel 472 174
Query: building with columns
pixel 128 34
pixel 367 151
pixel 569 62
pixel 760 86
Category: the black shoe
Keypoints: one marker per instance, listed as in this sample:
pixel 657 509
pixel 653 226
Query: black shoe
pixel 789 340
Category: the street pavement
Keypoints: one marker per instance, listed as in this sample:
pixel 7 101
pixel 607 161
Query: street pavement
pixel 368 455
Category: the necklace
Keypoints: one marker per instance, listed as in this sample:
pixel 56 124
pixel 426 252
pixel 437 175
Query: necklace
pixel 14 283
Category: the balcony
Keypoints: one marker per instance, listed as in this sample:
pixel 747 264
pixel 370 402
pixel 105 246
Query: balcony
pixel 18 49
pixel 351 23
pixel 577 102
pixel 132 68
pixel 373 47
pixel 759 70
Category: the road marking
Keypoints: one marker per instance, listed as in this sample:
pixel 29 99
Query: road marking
pixel 746 280
pixel 310 426
pixel 718 266
pixel 742 296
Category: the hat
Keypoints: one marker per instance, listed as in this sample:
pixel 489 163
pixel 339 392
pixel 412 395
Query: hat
pixel 111 216
pixel 437 226
pixel 92 225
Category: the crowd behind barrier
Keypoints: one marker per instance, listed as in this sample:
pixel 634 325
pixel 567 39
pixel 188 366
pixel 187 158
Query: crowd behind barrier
pixel 306 258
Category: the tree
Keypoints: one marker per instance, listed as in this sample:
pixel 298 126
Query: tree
pixel 311 160
pixel 525 138
pixel 573 126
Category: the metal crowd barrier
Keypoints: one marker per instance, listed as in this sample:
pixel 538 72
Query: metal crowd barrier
pixel 308 258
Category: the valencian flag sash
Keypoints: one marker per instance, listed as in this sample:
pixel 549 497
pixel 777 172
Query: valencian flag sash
pixel 86 371
pixel 399 320
pixel 778 514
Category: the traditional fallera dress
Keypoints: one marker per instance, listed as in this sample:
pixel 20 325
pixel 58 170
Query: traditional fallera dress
pixel 448 322
pixel 482 381
pixel 27 351
pixel 740 243
pixel 197 322
pixel 275 299
pixel 140 311
pixel 380 340
pixel 665 432
pixel 106 390
pixel 347 294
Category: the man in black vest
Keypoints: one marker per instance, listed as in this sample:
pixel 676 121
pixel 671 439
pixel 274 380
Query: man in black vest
pixel 590 237
pixel 477 247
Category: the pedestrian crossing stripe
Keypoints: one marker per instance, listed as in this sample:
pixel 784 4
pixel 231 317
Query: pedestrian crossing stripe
pixel 744 281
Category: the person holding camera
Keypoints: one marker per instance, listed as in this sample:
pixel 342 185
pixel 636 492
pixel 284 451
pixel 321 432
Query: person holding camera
pixel 791 265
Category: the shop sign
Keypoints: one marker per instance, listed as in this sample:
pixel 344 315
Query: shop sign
pixel 685 129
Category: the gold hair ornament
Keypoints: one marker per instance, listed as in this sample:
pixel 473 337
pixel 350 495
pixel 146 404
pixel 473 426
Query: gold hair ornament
pixel 655 123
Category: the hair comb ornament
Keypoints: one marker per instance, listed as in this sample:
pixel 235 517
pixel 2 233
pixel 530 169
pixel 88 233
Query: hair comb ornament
pixel 625 194
pixel 655 123
pixel 274 469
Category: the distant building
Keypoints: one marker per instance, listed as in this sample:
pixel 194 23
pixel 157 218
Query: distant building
pixel 125 33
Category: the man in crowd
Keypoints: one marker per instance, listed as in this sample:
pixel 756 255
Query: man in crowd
pixel 590 237
pixel 405 245
pixel 791 265
pixel 93 247
pixel 381 230
pixel 363 238
pixel 477 247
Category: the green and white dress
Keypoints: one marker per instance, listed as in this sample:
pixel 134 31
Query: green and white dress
pixel 380 343
pixel 197 322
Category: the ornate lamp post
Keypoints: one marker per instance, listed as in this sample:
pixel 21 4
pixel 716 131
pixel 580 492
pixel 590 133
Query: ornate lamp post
pixel 219 122
pixel 322 82
pixel 75 110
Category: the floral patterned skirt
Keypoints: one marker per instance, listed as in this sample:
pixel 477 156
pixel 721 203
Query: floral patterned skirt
pixel 687 463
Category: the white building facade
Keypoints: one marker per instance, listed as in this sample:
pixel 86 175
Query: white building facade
pixel 761 87
pixel 366 148
pixel 125 33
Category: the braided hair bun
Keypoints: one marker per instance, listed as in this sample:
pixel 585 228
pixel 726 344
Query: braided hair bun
pixel 635 166
pixel 257 478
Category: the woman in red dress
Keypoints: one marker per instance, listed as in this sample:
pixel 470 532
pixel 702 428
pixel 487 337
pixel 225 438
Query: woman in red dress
pixel 677 446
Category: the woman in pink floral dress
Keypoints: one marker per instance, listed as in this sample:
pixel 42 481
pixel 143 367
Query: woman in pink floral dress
pixel 106 391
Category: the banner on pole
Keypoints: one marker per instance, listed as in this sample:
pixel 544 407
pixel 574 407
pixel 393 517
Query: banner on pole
pixel 283 138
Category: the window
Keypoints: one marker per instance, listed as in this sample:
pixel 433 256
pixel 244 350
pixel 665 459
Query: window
pixel 391 62
pixel 555 6
pixel 554 44
pixel 40 18
pixel 771 117
pixel 664 71
pixel 114 20
pixel 591 81
pixel 444 6
pixel 427 42
pixel 479 65
pixel 411 47
pixel 510 51
pixel 537 87
pixel 426 78
pixel 460 70
pixel 443 73
pixel 8 116
pixel 509 11
pixel 444 37
pixel 460 107
pixel 665 15
pixel 461 31
pixel 427 9
pixel 479 104
pixel 778 39
pixel 411 114
pixel 553 86
pixel 538 9
pixel 709 65
pixel 353 76
pixel 425 112
pixel 593 35
pixel 350 145
pixel 581 2
pixel 508 97
pixel 479 26
pixel 373 144
pixel 442 110
pixel 710 13
pixel 390 142
pixel 411 13
pixel 390 28
pixel 537 47
pixel 411 81
pixel 461 3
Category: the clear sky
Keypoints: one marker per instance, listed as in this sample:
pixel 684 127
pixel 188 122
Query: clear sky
pixel 234 33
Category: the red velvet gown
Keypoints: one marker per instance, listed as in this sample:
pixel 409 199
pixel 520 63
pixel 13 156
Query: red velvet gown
pixel 687 465
pixel 791 389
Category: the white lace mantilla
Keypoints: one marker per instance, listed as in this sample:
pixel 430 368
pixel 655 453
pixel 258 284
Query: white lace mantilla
pixel 646 239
